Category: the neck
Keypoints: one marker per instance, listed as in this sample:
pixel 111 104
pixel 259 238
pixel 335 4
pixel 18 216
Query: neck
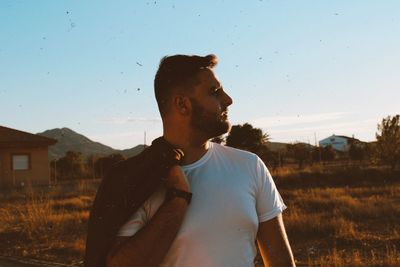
pixel 193 148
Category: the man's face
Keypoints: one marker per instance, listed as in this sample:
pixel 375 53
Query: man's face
pixel 210 106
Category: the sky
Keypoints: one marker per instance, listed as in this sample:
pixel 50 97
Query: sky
pixel 299 70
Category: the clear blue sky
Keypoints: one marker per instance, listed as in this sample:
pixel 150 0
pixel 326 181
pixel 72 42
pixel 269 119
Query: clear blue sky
pixel 296 69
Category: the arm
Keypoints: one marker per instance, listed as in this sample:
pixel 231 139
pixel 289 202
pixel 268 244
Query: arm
pixel 149 245
pixel 273 243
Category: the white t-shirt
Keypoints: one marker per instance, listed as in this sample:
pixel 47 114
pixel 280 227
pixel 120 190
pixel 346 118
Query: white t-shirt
pixel 232 193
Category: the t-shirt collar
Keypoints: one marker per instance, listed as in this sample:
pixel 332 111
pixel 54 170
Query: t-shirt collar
pixel 200 161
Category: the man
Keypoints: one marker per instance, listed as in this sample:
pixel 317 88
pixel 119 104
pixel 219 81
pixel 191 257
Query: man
pixel 213 207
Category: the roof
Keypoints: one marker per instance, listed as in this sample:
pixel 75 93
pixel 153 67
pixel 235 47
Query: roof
pixel 15 138
pixel 349 139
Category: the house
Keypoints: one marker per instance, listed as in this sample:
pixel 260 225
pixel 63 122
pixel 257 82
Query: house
pixel 339 142
pixel 23 158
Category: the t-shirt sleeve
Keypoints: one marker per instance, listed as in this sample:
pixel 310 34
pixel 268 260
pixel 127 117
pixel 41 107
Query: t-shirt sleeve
pixel 143 215
pixel 269 203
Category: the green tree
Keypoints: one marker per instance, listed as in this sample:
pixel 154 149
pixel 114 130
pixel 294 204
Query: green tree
pixel 271 158
pixel 357 151
pixel 370 151
pixel 301 152
pixel 316 154
pixel 71 166
pixel 328 153
pixel 246 137
pixel 388 140
pixel 90 163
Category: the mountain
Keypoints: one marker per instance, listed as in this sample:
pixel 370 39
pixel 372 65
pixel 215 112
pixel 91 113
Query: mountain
pixel 70 140
pixel 127 153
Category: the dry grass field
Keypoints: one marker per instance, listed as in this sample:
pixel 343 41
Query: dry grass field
pixel 342 217
pixel 347 217
pixel 46 223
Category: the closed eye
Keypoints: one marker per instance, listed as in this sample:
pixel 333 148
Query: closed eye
pixel 216 91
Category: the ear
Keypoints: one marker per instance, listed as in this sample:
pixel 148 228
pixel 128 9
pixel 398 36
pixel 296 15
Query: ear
pixel 182 104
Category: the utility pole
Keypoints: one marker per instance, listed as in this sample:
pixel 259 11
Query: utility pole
pixel 315 138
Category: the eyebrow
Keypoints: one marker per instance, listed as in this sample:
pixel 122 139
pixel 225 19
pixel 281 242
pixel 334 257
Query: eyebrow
pixel 214 88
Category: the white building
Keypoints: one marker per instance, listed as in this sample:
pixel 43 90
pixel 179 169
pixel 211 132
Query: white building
pixel 338 142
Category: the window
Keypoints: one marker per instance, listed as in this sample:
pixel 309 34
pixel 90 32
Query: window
pixel 20 162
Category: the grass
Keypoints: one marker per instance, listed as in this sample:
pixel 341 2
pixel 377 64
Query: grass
pixel 343 218
pixel 46 223
pixel 340 217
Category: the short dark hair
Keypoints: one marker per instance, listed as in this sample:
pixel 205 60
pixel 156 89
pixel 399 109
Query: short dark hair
pixel 177 71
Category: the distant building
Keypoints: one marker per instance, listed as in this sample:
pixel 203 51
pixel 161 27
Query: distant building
pixel 23 158
pixel 338 142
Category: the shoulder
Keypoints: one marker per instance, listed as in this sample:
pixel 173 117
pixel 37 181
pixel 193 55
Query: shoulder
pixel 236 158
pixel 242 161
pixel 235 153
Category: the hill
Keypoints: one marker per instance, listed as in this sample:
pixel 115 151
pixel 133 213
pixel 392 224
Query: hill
pixel 69 140
pixel 130 152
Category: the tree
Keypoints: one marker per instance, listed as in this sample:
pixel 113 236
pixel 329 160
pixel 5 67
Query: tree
pixel 357 151
pixel 328 153
pixel 71 166
pixel 388 140
pixel 300 152
pixel 271 158
pixel 316 154
pixel 246 137
pixel 90 163
pixel 370 151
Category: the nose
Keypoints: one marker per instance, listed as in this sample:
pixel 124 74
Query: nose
pixel 227 100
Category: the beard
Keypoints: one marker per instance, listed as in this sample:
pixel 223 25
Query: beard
pixel 207 123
